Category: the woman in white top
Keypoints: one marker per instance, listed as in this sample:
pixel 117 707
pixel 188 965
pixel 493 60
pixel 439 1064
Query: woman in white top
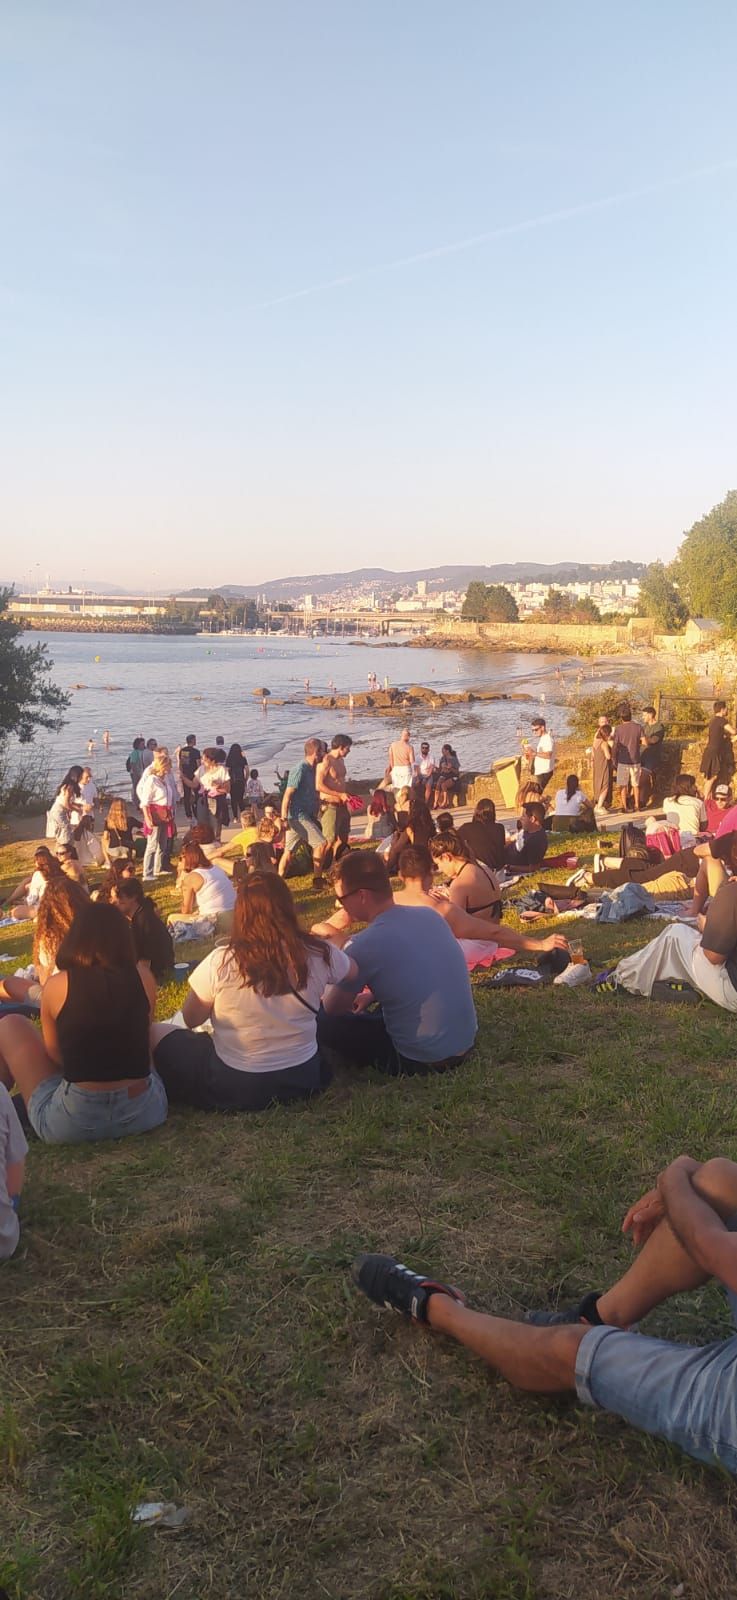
pixel 213 781
pixel 60 820
pixel 207 891
pixel 157 797
pixel 262 993
pixel 572 802
pixel 26 898
pixel 685 809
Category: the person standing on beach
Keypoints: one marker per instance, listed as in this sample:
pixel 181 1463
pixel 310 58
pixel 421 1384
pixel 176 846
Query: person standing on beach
pixel 653 734
pixel 601 751
pixel 330 777
pixel 626 760
pixel 402 761
pixel 189 760
pixel 299 812
pixel 543 760
pixel 135 765
pixel 717 761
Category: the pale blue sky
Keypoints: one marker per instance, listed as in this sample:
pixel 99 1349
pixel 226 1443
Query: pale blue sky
pixel 173 175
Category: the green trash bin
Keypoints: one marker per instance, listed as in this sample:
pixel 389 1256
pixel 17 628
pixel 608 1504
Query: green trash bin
pixel 507 771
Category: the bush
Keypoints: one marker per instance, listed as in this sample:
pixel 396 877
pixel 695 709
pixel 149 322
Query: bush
pixel 25 783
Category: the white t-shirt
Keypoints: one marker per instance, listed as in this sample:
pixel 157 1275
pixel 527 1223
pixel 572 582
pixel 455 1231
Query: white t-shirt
pixel 254 789
pixel 36 889
pixel 217 892
pixel 88 791
pixel 688 814
pixel 569 808
pixel 213 778
pixel 157 789
pixel 544 757
pixel 427 767
pixel 256 1033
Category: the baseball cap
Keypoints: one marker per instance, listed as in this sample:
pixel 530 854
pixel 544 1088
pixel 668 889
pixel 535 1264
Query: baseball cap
pixel 722 788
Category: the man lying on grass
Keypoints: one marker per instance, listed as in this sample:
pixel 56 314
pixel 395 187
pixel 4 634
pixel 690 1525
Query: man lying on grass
pixel 704 957
pixel 686 1226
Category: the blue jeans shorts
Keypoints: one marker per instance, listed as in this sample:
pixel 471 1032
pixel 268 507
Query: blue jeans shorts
pixel 62 1113
pixel 684 1393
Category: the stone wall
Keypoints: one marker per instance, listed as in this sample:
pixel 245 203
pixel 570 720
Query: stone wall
pixel 571 638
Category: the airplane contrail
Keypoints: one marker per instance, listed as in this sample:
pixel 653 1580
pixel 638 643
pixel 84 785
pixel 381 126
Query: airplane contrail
pixel 546 219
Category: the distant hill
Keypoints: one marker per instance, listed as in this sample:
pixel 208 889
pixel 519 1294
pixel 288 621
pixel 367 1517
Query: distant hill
pixel 437 578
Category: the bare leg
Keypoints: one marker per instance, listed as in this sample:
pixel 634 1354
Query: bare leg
pixel 284 863
pixel 541 1359
pixel 708 786
pixel 663 1267
pixel 710 877
pixel 623 799
pixel 23 1059
pixel 14 988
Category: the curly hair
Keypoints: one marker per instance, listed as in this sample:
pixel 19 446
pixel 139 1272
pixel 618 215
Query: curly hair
pixel 63 900
pixel 268 946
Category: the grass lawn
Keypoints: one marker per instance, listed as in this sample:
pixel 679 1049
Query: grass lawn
pixel 179 1324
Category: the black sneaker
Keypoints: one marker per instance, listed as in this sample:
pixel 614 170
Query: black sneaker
pixel 585 1311
pixel 388 1283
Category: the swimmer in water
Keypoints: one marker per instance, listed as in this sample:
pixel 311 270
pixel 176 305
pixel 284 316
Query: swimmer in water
pixel 106 738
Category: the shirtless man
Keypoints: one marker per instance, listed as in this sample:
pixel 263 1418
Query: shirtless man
pixel 402 761
pixel 330 778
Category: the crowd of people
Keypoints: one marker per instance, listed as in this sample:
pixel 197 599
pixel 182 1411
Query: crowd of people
pixel 382 981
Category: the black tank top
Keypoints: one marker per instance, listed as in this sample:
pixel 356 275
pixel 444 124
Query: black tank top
pixel 103 1025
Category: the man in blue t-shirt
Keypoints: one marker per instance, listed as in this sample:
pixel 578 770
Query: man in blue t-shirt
pixel 299 809
pixel 414 967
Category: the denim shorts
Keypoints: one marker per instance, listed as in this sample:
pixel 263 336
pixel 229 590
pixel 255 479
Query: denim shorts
pixel 684 1393
pixel 306 829
pixel 62 1113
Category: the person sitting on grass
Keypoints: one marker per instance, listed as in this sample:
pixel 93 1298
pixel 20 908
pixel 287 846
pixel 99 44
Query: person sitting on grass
pixel 719 803
pixel 380 823
pixel 117 835
pixel 105 890
pixel 473 887
pixel 418 830
pixel 412 965
pixel 416 873
pixel 685 809
pixel 206 889
pixel 69 862
pixel 684 1229
pixel 484 836
pixel 87 1074
pixel 26 898
pixel 445 822
pixel 62 902
pixel 572 809
pixel 261 992
pixel 151 937
pixel 531 842
pixel 13 1152
pixel 706 960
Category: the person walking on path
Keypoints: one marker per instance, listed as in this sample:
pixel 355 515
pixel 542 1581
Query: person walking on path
pixel 601 753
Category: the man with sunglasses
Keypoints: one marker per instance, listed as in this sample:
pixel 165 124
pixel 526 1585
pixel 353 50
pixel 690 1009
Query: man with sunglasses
pixel 412 965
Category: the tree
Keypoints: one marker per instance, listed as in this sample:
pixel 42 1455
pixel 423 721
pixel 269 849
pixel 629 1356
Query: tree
pixel 489 603
pixel 474 605
pixel 28 699
pixel 557 606
pixel 501 606
pixel 561 607
pixel 705 568
pixel 659 598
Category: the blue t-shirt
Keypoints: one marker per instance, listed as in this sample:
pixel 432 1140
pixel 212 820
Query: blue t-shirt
pixel 304 800
pixel 415 967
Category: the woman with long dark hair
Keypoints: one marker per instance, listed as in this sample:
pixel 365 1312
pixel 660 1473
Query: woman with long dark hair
pixel 151 936
pixel 61 903
pixel 237 766
pixel 485 836
pixel 26 898
pixel 418 830
pixel 88 1075
pixel 261 992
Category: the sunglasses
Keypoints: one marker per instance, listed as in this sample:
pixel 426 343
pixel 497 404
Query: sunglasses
pixel 341 898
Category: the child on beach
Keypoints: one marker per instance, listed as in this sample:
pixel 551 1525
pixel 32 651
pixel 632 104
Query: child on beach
pixel 255 791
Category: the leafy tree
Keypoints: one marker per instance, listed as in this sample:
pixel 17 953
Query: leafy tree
pixel 659 598
pixel 28 699
pixel 561 607
pixel 706 566
pixel 474 605
pixel 501 606
pixel 489 603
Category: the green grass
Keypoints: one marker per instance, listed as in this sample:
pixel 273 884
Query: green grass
pixel 179 1324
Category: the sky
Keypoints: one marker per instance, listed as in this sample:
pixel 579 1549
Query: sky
pixel 302 287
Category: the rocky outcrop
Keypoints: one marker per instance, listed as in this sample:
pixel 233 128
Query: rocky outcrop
pixel 415 695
